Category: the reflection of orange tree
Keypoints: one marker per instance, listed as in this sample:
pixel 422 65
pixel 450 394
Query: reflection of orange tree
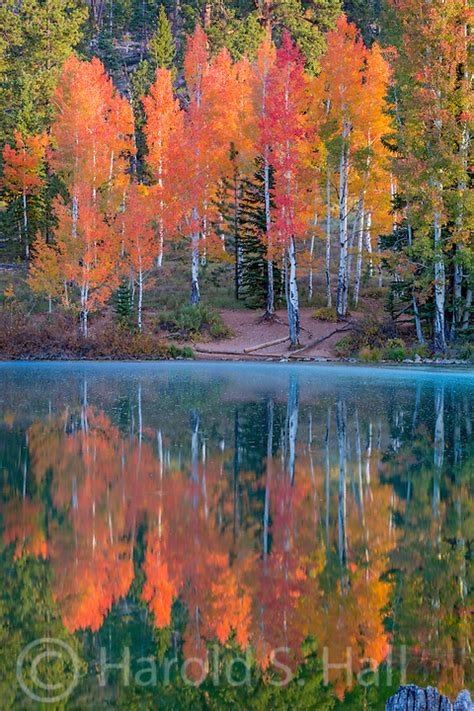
pixel 268 575
pixel 430 565
pixel 189 555
pixel 100 484
pixel 342 605
pixel 22 522
pixel 276 596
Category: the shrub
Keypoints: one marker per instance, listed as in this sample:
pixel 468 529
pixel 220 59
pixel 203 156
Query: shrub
pixel 325 313
pixel 373 292
pixel 369 331
pixel 193 321
pixel 176 352
pixel 370 355
pixel 423 350
pixel 58 337
pixel 395 350
pixel 344 347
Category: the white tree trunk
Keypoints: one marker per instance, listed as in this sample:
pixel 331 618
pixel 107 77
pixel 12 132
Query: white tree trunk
pixel 358 273
pixel 368 242
pixel 25 226
pixel 292 296
pixel 140 298
pixel 311 251
pixel 439 288
pixel 268 224
pixel 467 310
pixel 195 295
pixel 328 237
pixel 341 302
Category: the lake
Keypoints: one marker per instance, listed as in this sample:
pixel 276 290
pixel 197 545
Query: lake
pixel 224 535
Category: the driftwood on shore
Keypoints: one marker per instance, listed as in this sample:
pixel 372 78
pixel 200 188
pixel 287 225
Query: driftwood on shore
pixel 414 698
pixel 276 342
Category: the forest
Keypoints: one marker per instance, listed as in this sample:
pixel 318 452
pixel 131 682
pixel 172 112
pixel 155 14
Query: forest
pixel 160 161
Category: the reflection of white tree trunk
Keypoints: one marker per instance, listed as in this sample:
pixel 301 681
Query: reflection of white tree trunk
pixel 438 446
pixel 292 418
pixel 341 423
pixel 328 236
pixel 313 477
pixel 328 470
pixel 195 453
pixel 266 511
pixel 236 513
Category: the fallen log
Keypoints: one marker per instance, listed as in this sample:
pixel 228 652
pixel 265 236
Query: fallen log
pixel 251 349
pixel 414 698
pixel 239 354
pixel 311 344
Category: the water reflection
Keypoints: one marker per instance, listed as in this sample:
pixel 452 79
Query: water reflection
pixel 264 509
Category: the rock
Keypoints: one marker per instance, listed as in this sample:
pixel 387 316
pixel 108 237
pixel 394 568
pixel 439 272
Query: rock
pixel 418 358
pixel 463 702
pixel 412 698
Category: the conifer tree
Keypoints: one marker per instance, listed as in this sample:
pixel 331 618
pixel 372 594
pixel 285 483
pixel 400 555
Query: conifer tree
pixel 161 47
pixel 252 227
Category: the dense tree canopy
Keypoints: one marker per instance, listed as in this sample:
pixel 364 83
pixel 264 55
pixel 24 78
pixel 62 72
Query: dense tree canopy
pixel 369 141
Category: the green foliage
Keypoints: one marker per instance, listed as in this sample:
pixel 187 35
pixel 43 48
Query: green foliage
pixel 344 347
pixel 422 350
pixel 123 305
pixel 176 352
pixel 395 349
pixel 368 337
pixel 139 84
pixel 37 37
pixel 246 38
pixel 252 228
pixel 325 313
pixel 161 47
pixel 194 321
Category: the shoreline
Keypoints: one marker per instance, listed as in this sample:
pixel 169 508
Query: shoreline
pixel 235 357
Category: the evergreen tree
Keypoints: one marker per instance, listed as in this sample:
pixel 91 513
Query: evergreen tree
pixel 254 278
pixel 139 85
pixel 39 36
pixel 123 304
pixel 161 47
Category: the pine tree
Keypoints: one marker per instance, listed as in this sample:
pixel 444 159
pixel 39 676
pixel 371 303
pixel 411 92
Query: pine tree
pixel 161 47
pixel 252 228
pixel 41 34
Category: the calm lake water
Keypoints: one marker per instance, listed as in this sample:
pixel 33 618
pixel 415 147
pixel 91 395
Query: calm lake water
pixel 233 535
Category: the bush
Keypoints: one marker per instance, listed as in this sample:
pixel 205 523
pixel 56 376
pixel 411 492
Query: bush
pixel 422 349
pixel 373 292
pixel 370 355
pixel 175 352
pixel 194 321
pixel 371 332
pixel 57 336
pixel 395 350
pixel 344 347
pixel 325 313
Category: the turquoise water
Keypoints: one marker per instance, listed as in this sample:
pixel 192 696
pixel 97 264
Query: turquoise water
pixel 288 536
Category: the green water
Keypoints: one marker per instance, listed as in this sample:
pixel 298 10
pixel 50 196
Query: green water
pixel 233 535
